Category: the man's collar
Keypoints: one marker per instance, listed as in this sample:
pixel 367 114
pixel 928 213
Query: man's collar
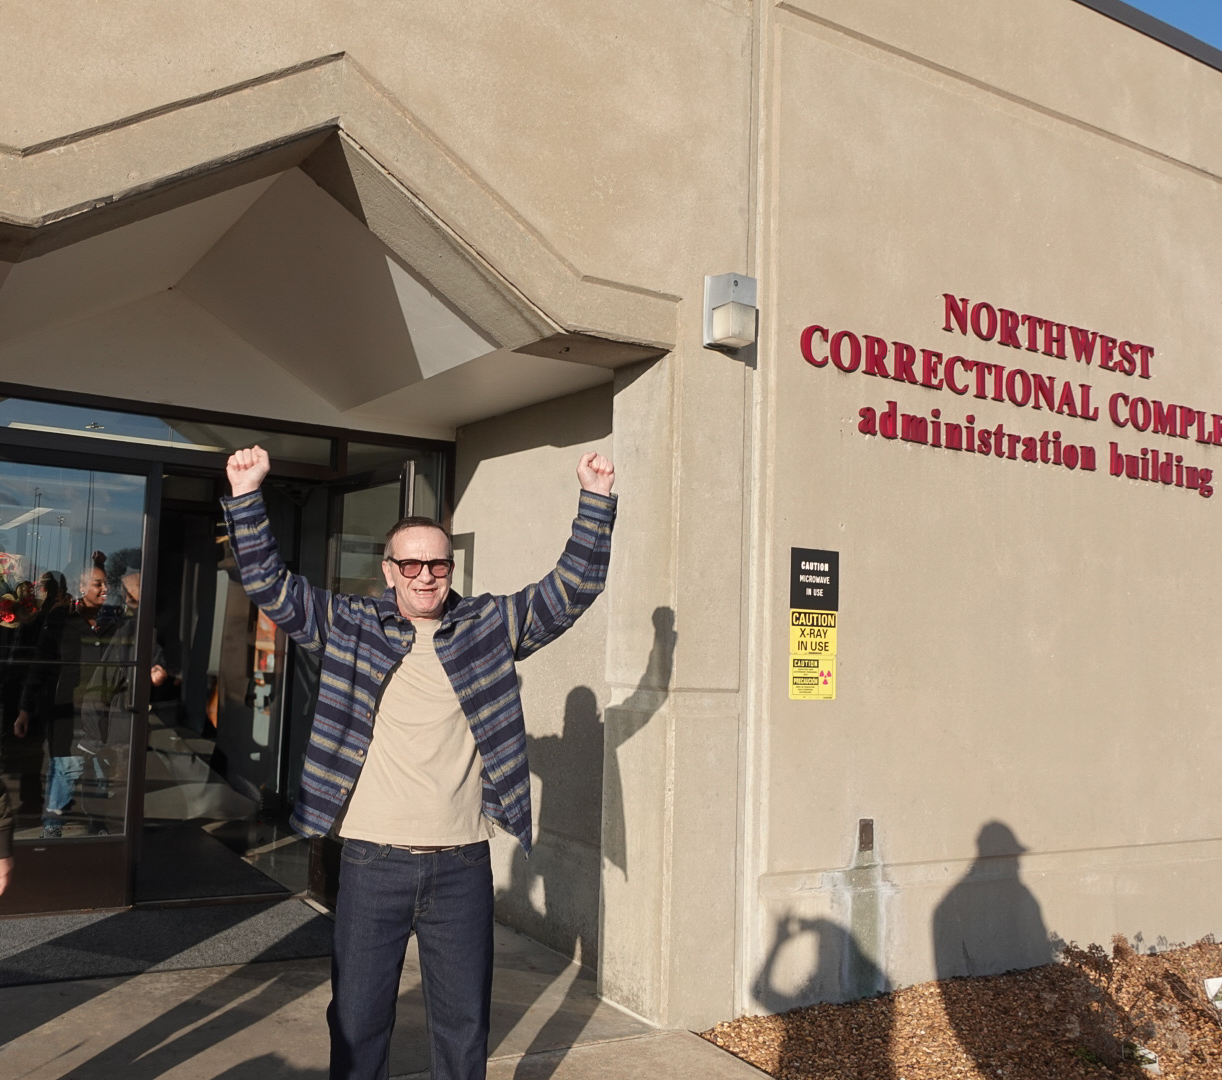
pixel 388 607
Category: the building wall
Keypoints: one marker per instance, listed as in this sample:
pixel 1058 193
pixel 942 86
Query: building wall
pixel 516 496
pixel 586 123
pixel 1026 696
pixel 600 162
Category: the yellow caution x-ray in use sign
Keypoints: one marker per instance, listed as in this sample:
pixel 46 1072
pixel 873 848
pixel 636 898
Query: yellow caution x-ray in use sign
pixel 812 633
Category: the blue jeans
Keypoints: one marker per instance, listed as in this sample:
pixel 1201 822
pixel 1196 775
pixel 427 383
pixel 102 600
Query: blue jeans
pixel 385 895
pixel 62 775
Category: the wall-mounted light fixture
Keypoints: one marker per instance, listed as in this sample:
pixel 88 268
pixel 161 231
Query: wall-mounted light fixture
pixel 729 312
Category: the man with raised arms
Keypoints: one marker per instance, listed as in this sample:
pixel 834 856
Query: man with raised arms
pixel 417 751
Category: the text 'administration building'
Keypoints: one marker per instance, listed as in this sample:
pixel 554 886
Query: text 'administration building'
pixel 906 665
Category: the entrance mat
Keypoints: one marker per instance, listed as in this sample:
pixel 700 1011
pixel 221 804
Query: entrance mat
pixel 183 862
pixel 52 948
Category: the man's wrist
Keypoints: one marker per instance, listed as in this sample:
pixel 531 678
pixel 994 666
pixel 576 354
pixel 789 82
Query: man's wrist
pixel 249 505
pixel 598 507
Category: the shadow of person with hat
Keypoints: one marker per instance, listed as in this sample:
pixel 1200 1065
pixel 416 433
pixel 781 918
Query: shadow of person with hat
pixel 988 923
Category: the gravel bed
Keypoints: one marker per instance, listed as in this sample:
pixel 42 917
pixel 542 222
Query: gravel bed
pixel 1089 1016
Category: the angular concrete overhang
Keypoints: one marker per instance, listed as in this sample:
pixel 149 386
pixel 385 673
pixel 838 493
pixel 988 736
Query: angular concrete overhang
pixel 365 149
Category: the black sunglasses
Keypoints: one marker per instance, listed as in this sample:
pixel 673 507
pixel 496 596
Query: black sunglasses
pixel 410 568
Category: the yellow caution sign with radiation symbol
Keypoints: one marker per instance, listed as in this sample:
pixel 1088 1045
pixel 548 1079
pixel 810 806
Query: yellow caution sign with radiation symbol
pixel 812 678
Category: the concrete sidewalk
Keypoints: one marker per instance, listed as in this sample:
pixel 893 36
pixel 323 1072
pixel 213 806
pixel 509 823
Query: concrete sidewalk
pixel 265 1022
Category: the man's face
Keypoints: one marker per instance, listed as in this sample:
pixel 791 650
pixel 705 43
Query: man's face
pixel 420 597
pixel 93 589
pixel 131 586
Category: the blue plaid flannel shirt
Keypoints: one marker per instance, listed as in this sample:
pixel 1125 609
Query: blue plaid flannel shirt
pixel 360 639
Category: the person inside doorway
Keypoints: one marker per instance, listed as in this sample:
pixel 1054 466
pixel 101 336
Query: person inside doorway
pixel 109 698
pixel 31 724
pixel 418 750
pixel 72 645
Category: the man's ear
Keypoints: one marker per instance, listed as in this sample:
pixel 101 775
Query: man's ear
pixel 388 574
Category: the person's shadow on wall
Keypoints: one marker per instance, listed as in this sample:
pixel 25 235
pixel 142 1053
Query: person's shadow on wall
pixel 563 913
pixel 842 972
pixel 554 898
pixel 988 923
pixel 630 716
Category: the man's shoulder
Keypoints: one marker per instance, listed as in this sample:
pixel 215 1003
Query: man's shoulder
pixel 465 613
pixel 464 608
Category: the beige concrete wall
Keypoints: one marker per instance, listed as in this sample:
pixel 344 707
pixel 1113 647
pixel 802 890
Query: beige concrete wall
pixel 677 667
pixel 516 496
pixel 585 122
pixel 633 730
pixel 1025 652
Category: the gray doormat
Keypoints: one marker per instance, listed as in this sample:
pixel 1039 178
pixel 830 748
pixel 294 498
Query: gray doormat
pixel 182 862
pixel 52 948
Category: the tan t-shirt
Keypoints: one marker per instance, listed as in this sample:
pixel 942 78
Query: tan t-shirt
pixel 420 784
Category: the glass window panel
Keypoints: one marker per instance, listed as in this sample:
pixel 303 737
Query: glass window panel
pixel 357 561
pixel 21 414
pixel 280 445
pixel 70 587
pixel 428 487
pixel 365 456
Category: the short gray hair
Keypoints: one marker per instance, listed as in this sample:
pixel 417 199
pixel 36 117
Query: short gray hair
pixel 415 522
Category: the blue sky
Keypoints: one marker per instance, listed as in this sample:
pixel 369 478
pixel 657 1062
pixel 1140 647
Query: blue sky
pixel 1200 18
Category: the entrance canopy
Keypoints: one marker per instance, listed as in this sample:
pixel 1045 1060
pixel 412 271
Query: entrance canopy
pixel 271 298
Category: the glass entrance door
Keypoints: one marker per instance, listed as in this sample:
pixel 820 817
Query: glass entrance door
pixel 74 678
pixel 215 817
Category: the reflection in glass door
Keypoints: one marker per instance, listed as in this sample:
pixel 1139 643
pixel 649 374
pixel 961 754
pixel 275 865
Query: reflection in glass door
pixel 71 568
pixel 70 571
pixel 364 510
pixel 366 514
